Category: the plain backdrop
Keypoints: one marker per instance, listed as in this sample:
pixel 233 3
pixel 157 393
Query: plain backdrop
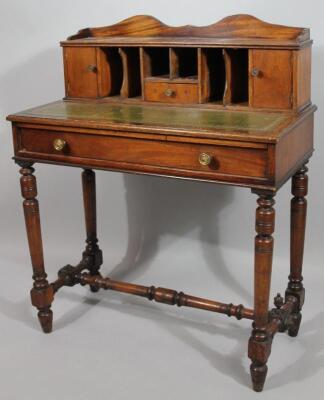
pixel 188 236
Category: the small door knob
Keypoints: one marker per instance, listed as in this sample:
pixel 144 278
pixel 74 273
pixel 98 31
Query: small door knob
pixel 91 68
pixel 169 92
pixel 59 144
pixel 256 72
pixel 205 159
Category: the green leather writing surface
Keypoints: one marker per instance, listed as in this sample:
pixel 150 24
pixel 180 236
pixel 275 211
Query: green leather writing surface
pixel 159 116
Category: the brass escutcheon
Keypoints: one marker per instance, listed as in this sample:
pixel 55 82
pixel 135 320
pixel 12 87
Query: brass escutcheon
pixel 204 159
pixel 59 144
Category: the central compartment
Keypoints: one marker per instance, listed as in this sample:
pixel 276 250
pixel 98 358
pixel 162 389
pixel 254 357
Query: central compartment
pixel 170 75
pixel 189 75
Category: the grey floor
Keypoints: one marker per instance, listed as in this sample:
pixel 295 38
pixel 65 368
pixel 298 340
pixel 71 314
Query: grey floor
pixel 109 345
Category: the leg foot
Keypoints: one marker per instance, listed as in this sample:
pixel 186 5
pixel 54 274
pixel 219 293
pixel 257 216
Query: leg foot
pixel 46 320
pixel 258 375
pixel 294 324
pixel 42 296
pixel 259 351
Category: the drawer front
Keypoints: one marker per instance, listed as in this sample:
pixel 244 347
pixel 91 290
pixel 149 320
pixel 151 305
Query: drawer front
pixel 162 157
pixel 165 92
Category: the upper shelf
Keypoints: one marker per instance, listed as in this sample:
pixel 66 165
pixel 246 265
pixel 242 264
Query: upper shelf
pixel 234 31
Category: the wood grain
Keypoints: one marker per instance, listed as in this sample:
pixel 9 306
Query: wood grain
pixel 166 296
pixel 302 77
pixel 177 156
pixel 81 80
pixel 131 85
pixel 293 147
pixel 234 109
pixel 92 253
pixel 298 213
pixel 109 72
pixel 179 93
pixel 272 87
pixel 247 44
pixel 260 340
pixel 236 26
pixel 42 294
pixel 236 73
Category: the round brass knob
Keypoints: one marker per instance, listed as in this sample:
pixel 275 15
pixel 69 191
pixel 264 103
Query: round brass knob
pixel 59 144
pixel 255 72
pixel 169 92
pixel 205 159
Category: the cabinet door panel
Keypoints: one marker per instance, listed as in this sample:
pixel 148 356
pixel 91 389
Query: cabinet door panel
pixel 81 71
pixel 271 78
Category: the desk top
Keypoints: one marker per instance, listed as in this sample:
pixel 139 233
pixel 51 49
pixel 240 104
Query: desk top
pixel 192 121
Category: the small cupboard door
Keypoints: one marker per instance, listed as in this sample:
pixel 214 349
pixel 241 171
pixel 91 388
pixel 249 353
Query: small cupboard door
pixel 270 78
pixel 81 71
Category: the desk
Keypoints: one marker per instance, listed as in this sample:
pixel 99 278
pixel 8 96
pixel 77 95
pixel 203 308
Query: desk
pixel 235 142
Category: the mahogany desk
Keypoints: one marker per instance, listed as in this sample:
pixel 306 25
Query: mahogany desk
pixel 228 103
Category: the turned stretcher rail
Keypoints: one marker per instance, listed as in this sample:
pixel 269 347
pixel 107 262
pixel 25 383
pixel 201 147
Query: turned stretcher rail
pixel 166 296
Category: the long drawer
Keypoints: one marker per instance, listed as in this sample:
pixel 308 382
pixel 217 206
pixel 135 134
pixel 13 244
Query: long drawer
pixel 213 162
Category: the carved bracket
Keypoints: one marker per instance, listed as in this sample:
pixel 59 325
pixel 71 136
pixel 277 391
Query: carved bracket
pixel 283 316
pixel 68 275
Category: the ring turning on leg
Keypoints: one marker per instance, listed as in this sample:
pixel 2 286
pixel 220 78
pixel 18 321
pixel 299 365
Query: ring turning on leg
pixel 298 213
pixel 261 338
pixel 92 251
pixel 41 293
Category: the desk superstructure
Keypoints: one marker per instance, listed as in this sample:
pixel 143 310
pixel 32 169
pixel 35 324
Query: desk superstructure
pixel 227 103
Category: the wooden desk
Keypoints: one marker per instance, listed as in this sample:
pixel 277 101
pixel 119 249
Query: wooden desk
pixel 178 118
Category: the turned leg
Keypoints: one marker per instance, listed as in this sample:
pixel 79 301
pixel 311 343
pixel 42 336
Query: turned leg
pixel 92 250
pixel 42 292
pixel 298 213
pixel 260 340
